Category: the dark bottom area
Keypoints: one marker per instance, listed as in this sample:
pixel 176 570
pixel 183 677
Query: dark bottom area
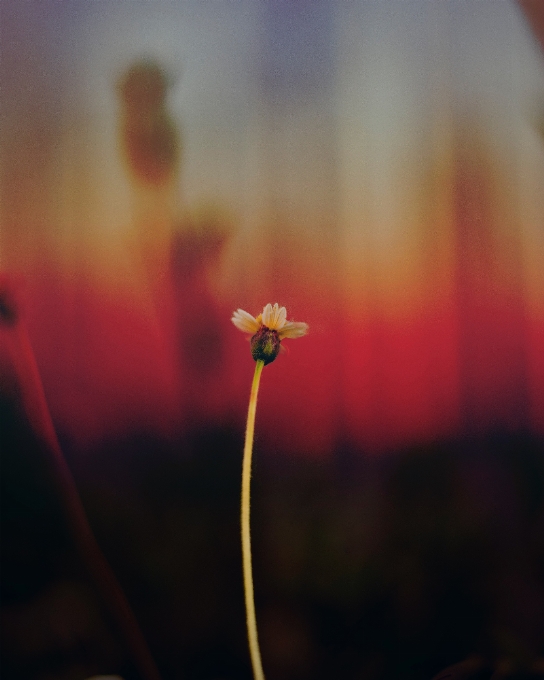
pixel 374 569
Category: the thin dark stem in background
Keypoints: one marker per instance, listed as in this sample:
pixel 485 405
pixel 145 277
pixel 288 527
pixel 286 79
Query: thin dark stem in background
pixel 16 343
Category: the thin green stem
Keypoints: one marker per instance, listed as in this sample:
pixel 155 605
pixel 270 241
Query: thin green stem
pixel 246 540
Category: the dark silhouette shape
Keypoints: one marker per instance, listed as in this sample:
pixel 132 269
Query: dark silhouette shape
pixel 149 137
pixel 21 383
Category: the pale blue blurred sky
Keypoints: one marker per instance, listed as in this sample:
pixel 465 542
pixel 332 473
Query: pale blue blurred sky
pixel 296 109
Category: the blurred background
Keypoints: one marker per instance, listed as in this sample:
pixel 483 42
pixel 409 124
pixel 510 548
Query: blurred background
pixel 376 167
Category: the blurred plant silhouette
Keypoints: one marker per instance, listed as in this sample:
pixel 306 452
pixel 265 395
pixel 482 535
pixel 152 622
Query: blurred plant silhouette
pixel 151 143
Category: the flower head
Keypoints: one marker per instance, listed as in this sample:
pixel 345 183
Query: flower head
pixel 268 330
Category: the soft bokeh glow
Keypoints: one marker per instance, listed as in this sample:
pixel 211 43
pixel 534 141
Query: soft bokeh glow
pixel 375 167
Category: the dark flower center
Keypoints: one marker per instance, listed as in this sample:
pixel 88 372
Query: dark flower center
pixel 265 345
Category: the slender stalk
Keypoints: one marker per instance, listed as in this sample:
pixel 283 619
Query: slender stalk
pixel 37 411
pixel 246 540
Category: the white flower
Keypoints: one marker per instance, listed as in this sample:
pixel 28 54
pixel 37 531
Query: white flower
pixel 273 318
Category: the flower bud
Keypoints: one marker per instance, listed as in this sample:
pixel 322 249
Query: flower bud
pixel 265 345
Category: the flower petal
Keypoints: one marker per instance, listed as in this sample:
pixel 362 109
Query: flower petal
pixel 274 317
pixel 245 322
pixel 267 315
pixel 293 329
pixel 280 318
